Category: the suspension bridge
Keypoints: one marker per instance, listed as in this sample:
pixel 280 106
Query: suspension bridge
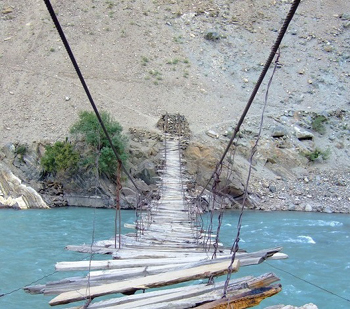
pixel 168 246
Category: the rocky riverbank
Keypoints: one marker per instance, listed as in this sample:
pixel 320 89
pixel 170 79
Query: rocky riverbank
pixel 283 175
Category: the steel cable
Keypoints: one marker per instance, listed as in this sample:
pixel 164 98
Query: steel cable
pixel 273 52
pixel 87 91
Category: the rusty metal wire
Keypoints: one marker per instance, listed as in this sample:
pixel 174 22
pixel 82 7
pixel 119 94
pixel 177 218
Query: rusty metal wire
pixel 235 247
pixel 118 216
pixel 215 190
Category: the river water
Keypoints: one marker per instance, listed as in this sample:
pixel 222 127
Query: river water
pixel 318 245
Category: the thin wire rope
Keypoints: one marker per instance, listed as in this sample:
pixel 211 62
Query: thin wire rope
pixel 234 248
pixel 309 282
pixel 29 284
pixel 88 284
pixel 258 84
pixel 87 91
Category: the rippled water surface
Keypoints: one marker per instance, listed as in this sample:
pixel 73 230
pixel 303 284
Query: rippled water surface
pixel 318 246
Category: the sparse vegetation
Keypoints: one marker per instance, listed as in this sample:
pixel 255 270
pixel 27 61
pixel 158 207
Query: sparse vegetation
pixel 110 4
pixel 212 36
pixel 61 157
pixel 178 39
pixel 144 60
pixel 173 61
pixel 318 124
pixel 317 153
pixel 21 151
pixel 156 75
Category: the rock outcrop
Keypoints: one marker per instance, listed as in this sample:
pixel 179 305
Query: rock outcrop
pixel 15 194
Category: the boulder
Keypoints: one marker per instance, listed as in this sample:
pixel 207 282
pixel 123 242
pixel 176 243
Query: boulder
pixel 147 172
pixel 279 131
pixel 308 208
pixel 303 134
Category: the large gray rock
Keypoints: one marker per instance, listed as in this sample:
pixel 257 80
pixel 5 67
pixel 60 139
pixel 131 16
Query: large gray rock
pixel 279 131
pixel 303 134
pixel 147 172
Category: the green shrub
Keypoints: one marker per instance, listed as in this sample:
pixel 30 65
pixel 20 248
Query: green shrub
pixel 313 155
pixel 60 157
pixel 20 151
pixel 99 149
pixel 318 124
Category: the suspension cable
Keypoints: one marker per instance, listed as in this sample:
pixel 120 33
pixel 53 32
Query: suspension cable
pixel 258 84
pixel 87 91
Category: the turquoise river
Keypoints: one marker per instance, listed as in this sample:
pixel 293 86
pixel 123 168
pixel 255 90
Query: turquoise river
pixel 318 246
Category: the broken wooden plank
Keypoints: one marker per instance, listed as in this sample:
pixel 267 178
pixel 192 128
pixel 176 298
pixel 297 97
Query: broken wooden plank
pixel 112 272
pixel 185 297
pixel 159 280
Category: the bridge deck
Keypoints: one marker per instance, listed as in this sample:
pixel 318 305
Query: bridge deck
pixel 170 250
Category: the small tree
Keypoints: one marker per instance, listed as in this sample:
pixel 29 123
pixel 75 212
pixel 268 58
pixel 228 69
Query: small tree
pixel 100 150
pixel 59 158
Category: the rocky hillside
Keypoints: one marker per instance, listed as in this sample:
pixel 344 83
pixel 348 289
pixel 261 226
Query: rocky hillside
pixel 202 59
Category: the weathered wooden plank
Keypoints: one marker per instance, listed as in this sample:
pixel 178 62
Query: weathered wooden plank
pixel 96 278
pixel 91 249
pixel 168 293
pixel 188 296
pixel 244 300
pixel 112 274
pixel 156 252
pixel 174 277
pixel 119 264
pixel 162 258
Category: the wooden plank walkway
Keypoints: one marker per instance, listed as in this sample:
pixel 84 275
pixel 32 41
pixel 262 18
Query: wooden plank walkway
pixel 170 250
pixel 171 222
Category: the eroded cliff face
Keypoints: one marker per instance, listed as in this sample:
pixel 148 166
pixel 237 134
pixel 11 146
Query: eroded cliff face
pixel 15 194
pixel 78 189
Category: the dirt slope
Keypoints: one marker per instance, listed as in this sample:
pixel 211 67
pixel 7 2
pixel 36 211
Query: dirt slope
pixel 144 58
